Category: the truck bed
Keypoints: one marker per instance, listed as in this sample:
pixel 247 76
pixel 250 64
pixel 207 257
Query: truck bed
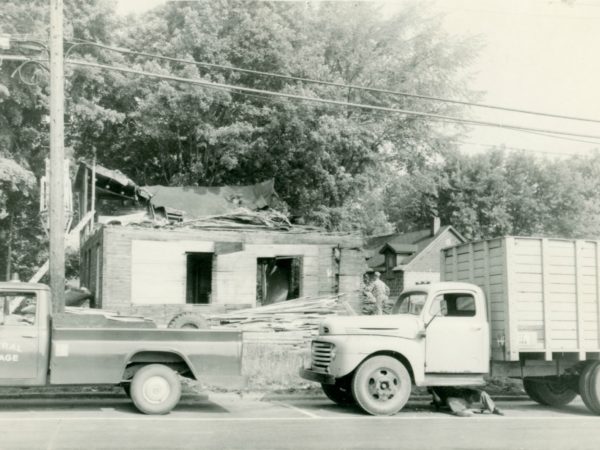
pixel 98 355
pixel 543 294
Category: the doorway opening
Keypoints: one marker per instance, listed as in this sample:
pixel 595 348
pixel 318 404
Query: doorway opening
pixel 278 279
pixel 199 278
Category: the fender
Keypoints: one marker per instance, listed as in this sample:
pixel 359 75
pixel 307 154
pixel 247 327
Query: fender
pixel 351 350
pixel 164 351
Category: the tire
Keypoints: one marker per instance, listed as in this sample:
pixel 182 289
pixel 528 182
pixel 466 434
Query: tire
pixel 381 385
pixel 589 386
pixel 339 393
pixel 155 389
pixel 530 387
pixel 189 320
pixel 549 392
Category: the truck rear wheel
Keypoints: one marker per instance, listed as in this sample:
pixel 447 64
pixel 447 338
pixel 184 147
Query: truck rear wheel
pixel 589 386
pixel 155 389
pixel 549 392
pixel 381 385
pixel 340 392
pixel 530 389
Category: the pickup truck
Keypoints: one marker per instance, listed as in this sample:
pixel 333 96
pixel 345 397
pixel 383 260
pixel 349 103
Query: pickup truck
pixel 37 349
pixel 518 307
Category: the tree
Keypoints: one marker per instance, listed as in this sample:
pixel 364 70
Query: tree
pixel 495 193
pixel 24 130
pixel 16 188
pixel 161 132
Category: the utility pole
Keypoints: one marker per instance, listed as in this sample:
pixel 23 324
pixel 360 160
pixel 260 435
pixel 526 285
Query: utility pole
pixel 57 158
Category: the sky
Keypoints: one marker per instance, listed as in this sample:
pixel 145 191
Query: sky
pixel 539 55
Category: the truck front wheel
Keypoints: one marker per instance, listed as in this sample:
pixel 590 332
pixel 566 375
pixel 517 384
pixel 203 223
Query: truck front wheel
pixel 155 389
pixel 381 385
pixel 549 392
pixel 340 392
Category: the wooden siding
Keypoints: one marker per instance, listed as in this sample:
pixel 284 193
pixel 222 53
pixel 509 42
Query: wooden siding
pixel 543 293
pixel 428 260
pixel 425 267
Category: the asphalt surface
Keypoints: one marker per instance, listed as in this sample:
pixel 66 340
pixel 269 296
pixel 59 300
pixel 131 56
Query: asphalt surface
pixel 256 421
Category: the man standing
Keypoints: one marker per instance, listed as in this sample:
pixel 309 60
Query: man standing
pixel 380 291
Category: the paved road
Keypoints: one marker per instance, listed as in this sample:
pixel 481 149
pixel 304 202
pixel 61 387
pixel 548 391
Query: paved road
pixel 226 421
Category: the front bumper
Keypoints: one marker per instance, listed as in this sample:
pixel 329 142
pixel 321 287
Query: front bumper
pixel 311 375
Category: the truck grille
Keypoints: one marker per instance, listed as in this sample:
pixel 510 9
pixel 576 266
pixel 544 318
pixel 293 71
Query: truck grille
pixel 321 353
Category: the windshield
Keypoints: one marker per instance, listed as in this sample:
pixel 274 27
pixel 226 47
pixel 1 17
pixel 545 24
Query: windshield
pixel 410 303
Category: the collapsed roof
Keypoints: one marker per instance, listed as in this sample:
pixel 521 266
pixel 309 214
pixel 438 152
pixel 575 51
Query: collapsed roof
pixel 201 201
pixel 185 202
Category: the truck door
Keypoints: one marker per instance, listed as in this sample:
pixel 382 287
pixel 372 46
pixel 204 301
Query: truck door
pixel 19 336
pixel 457 339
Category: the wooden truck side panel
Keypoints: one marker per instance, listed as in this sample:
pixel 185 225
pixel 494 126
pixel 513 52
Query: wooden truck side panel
pixel 484 264
pixel 544 298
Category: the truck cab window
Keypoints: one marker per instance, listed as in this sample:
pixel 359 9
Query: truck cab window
pixel 17 308
pixel 410 303
pixel 453 305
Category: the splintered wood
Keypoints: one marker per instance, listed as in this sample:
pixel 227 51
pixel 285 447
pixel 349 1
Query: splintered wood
pixel 290 322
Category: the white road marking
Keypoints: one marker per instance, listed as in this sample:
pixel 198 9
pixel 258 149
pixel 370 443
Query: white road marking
pixel 295 408
pixel 54 436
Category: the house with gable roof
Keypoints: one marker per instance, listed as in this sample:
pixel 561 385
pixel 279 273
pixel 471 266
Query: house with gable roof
pixel 405 259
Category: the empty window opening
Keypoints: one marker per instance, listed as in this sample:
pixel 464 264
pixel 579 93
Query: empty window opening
pixel 278 279
pixel 199 277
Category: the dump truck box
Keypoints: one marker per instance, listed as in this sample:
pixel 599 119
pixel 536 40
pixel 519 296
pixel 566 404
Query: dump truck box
pixel 543 294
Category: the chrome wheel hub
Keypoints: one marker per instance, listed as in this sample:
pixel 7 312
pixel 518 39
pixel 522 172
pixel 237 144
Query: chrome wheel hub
pixel 156 390
pixel 383 384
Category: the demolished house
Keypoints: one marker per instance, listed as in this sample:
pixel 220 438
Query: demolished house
pixel 157 251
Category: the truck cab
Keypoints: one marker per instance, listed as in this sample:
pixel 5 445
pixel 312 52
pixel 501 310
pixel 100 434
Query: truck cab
pixel 24 333
pixel 436 335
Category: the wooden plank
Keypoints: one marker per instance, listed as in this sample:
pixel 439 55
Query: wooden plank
pixel 598 289
pixel 579 303
pixel 471 263
pixel 454 264
pixel 486 261
pixel 443 266
pixel 223 248
pixel 512 335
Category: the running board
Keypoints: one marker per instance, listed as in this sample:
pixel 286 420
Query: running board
pixel 451 379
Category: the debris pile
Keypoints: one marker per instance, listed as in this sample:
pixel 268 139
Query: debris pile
pixel 242 218
pixel 292 321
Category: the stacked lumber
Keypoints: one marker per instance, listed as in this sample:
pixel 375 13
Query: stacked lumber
pixel 292 321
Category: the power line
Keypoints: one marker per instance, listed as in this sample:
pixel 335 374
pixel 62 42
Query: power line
pixel 438 117
pixel 502 147
pixel 80 42
pixel 270 94
pixel 565 138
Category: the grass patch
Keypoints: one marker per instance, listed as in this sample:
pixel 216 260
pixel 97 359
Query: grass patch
pixel 270 366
